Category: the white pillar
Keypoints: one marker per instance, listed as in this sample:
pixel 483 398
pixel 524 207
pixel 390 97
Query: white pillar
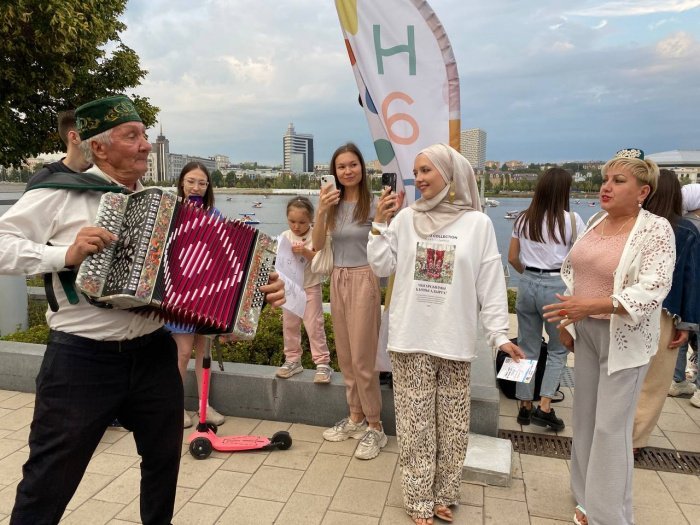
pixel 13 303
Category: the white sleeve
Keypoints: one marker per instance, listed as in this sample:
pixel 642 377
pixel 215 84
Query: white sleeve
pixel 381 250
pixel 24 231
pixel 491 291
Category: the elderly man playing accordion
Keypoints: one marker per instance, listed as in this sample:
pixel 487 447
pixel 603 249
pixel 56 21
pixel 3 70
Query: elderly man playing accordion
pixel 100 364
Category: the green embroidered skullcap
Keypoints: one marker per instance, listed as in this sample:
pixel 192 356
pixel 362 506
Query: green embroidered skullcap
pixel 105 113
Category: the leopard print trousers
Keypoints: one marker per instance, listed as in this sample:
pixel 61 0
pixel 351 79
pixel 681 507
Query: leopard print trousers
pixel 432 403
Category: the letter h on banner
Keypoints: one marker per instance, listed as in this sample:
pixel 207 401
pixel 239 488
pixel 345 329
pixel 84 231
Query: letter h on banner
pixel 409 48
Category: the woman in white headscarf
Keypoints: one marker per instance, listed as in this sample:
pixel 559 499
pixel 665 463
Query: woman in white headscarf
pixel 448 271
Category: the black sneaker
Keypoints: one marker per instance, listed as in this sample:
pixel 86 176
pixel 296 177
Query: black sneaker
pixel 547 419
pixel 524 415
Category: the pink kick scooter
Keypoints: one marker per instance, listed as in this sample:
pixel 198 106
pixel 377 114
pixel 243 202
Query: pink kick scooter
pixel 204 439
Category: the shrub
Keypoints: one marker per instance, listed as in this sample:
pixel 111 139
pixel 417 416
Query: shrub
pixel 512 297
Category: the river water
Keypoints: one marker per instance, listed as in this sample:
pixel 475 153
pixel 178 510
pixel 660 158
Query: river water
pixel 272 215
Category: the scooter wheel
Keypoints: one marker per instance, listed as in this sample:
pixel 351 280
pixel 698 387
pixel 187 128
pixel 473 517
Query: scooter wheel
pixel 200 448
pixel 282 440
pixel 213 427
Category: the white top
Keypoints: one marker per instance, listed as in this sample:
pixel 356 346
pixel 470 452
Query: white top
pixel 310 278
pixel 442 284
pixel 548 255
pixel 642 280
pixel 55 216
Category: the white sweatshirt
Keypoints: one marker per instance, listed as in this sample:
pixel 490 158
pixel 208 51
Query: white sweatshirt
pixel 442 285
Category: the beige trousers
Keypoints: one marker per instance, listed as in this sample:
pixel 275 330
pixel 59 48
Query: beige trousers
pixel 355 309
pixel 655 388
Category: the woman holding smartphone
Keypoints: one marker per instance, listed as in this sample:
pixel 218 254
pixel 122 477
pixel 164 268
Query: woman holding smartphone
pixel 345 212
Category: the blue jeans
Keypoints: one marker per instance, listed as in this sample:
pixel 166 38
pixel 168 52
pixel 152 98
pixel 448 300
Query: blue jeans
pixel 682 361
pixel 534 291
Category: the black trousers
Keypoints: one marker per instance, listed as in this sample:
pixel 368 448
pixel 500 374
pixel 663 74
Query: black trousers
pixel 82 386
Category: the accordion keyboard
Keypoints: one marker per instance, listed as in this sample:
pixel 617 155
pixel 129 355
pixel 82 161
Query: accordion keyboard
pixel 94 270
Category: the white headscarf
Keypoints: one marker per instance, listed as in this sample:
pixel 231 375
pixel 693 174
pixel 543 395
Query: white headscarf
pixel 459 196
pixel 691 197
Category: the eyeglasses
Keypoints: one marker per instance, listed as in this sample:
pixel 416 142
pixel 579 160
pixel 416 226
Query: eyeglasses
pixel 198 183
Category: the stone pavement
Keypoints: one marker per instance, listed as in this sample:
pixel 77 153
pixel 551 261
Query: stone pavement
pixel 317 482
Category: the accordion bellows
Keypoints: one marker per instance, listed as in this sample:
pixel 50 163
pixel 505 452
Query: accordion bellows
pixel 191 267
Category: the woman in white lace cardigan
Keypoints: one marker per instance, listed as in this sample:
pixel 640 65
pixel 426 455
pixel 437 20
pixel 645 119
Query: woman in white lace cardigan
pixel 617 275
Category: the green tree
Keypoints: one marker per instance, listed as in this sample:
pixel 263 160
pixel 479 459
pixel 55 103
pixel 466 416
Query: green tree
pixel 231 179
pixel 217 179
pixel 54 56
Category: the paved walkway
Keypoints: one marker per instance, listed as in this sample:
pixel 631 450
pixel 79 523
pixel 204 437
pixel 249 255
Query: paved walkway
pixel 317 482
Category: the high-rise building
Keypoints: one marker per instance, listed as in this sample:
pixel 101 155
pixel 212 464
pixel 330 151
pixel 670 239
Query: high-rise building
pixel 472 144
pixel 298 151
pixel 161 147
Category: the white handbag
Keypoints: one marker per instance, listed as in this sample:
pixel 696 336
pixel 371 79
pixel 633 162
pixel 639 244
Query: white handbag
pixel 322 263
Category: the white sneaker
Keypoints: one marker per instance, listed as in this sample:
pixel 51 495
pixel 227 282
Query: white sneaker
pixel 695 400
pixel 213 416
pixel 187 420
pixel 289 368
pixel 323 374
pixel 691 372
pixel 345 429
pixel 370 444
pixel 682 388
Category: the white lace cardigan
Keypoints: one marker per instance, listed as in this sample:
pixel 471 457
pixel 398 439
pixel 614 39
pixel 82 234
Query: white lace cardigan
pixel 641 282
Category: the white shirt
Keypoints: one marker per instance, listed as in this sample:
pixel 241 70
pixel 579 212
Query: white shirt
pixel 310 278
pixel 56 216
pixel 442 285
pixel 548 255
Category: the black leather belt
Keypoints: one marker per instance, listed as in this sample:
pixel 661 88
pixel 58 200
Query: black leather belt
pixel 540 270
pixel 109 346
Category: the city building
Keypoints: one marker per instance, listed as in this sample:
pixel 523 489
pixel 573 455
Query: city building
pixel 298 149
pixel 685 163
pixel 177 161
pixel 472 144
pixel 222 162
pixel 161 147
pixel 152 167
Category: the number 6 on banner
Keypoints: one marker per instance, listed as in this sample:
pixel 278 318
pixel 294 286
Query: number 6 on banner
pixel 398 117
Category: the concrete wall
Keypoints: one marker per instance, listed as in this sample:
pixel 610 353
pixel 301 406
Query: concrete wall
pixel 253 391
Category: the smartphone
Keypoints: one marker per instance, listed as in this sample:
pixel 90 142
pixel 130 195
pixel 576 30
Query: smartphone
pixel 327 180
pixel 389 181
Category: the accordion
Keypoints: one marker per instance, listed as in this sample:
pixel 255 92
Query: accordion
pixel 175 260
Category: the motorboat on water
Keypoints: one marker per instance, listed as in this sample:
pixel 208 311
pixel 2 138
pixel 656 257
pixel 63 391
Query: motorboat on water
pixel 257 205
pixel 249 218
pixel 512 214
pixel 491 203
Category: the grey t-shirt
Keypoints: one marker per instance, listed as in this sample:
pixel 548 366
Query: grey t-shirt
pixel 350 238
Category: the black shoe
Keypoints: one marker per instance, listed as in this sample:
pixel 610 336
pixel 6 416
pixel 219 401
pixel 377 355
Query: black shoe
pixel 524 415
pixel 547 419
pixel 386 378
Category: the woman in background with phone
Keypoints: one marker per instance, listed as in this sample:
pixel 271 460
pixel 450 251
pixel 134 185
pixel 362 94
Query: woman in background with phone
pixel 345 209
pixel 194 185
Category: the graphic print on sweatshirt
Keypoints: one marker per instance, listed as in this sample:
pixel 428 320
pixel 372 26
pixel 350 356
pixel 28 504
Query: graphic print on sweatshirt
pixel 433 270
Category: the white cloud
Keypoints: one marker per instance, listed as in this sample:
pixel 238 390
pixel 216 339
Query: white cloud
pixel 677 45
pixel 230 75
pixel 637 7
pixel 601 24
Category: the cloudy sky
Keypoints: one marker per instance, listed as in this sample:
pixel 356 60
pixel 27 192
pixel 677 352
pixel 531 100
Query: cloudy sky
pixel 549 80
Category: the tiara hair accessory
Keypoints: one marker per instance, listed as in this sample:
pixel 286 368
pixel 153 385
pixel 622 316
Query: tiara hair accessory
pixel 630 153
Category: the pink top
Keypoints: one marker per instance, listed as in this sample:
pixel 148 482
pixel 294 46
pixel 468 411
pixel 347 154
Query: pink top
pixel 594 259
